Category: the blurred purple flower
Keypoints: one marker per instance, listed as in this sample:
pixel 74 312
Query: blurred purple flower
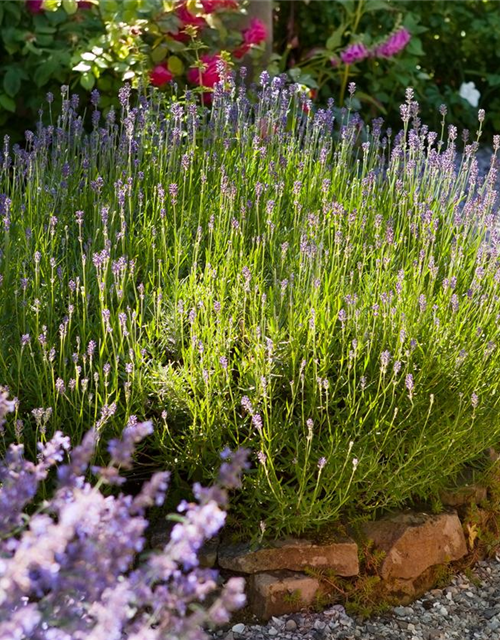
pixel 395 43
pixel 72 569
pixel 354 53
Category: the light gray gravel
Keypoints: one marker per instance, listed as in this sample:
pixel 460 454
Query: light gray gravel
pixel 462 611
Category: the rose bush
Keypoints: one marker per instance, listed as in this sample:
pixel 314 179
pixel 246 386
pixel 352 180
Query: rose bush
pixel 89 44
pixel 436 47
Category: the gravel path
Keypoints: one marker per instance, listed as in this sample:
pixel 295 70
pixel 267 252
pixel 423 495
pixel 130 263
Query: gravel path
pixel 464 610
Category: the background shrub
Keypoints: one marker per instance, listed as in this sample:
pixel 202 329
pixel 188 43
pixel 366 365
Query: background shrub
pixel 90 44
pixel 451 43
pixel 323 293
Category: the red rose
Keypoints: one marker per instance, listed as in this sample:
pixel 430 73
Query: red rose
pixel 160 75
pixel 209 6
pixel 187 19
pixel 208 76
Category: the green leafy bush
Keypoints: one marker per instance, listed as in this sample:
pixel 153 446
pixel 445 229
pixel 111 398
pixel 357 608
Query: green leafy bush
pixel 90 44
pixel 323 293
pixel 36 56
pixel 452 43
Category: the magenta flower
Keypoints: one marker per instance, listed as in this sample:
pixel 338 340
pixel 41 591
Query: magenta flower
pixel 395 43
pixel 35 6
pixel 354 53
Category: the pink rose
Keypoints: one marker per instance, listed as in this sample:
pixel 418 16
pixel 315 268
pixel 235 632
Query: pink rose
pixel 187 19
pixel 34 6
pixel 240 51
pixel 254 34
pixel 209 6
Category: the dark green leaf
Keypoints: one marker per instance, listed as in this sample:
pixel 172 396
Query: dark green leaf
pixel 415 47
pixel 87 81
pixel 7 103
pixel 11 82
pixel 14 11
pixel 376 5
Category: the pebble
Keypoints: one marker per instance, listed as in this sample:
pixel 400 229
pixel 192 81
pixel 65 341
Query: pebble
pixel 238 628
pixel 461 611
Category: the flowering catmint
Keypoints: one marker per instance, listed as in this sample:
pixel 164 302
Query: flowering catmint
pixel 257 421
pixel 385 357
pixel 246 404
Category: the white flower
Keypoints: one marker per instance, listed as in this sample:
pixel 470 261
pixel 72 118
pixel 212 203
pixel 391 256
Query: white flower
pixel 469 92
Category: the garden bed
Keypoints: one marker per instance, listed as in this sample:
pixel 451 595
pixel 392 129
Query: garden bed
pixel 256 275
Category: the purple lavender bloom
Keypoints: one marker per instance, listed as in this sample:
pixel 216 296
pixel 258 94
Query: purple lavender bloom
pixel 409 383
pixel 81 542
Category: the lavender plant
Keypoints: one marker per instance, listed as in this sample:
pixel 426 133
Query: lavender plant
pixel 74 568
pixel 257 274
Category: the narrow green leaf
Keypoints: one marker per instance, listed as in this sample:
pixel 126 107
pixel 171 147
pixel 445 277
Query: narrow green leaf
pixel 335 39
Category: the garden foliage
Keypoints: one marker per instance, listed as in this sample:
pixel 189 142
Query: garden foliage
pixel 90 44
pixel 75 568
pixel 451 44
pixel 323 292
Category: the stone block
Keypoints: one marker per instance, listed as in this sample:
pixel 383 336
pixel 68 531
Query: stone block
pixel 463 496
pixel 293 555
pixel 413 542
pixel 279 593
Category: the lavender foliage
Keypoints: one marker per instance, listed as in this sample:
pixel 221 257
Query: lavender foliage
pixel 299 282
